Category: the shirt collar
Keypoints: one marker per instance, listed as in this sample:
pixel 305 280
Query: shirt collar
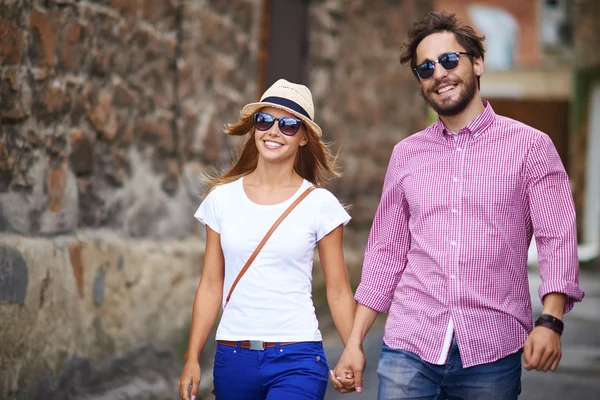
pixel 475 127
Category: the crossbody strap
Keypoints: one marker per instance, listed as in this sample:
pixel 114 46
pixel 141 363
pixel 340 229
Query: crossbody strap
pixel 264 240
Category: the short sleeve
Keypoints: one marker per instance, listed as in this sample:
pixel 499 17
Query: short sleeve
pixel 331 214
pixel 208 212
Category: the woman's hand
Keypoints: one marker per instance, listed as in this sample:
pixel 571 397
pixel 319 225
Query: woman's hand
pixel 190 377
pixel 206 309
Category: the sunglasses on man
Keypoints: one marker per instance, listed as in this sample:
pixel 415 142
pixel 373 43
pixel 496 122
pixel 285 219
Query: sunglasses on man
pixel 449 61
pixel 287 125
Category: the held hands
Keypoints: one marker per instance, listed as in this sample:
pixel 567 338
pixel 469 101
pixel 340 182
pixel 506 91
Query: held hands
pixel 542 350
pixel 190 378
pixel 347 375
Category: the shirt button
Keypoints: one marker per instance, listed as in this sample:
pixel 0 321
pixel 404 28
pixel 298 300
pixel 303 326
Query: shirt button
pixel 452 276
pixel 454 210
pixel 455 179
pixel 453 243
pixel 458 149
pixel 455 308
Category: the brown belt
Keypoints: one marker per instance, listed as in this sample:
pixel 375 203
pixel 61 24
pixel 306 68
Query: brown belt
pixel 252 344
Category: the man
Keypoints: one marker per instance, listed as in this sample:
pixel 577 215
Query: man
pixel 447 252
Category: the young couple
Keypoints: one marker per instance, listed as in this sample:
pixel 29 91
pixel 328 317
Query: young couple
pixel 446 256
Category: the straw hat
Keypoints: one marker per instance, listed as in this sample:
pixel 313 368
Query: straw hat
pixel 291 97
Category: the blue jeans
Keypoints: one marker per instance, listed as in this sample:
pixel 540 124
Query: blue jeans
pixel 296 371
pixel 403 375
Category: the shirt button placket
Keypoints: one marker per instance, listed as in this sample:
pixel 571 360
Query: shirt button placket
pixel 454 228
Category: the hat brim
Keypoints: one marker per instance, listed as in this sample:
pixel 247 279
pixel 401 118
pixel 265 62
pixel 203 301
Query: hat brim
pixel 250 109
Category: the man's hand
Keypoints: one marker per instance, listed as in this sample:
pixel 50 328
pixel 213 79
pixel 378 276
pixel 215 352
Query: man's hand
pixel 542 350
pixel 347 375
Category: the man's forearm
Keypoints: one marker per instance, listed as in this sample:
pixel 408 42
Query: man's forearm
pixel 554 304
pixel 363 321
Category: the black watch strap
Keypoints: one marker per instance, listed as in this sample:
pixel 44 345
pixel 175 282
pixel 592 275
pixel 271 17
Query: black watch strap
pixel 550 322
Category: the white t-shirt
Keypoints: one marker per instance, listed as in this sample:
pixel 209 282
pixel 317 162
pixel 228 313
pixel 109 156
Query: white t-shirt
pixel 272 301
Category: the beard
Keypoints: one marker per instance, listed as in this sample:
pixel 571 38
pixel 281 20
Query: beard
pixel 448 108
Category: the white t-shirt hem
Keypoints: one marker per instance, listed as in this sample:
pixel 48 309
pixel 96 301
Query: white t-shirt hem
pixel 313 338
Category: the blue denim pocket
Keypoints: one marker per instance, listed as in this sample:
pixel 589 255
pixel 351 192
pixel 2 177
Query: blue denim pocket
pixel 223 354
pixel 403 375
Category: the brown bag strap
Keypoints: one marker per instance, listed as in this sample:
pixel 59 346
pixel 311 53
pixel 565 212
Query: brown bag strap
pixel 264 240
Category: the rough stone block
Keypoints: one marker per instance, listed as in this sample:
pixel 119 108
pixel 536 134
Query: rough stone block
pixel 45 36
pixel 103 116
pixel 51 100
pixel 11 42
pixel 160 12
pixel 13 275
pixel 15 96
pixel 62 213
pixel 81 158
pixel 71 36
pixel 127 7
pixel 77 265
pixel 57 180
pixel 98 290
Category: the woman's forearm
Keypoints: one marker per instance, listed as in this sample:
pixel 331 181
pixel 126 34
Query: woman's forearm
pixel 207 304
pixel 342 308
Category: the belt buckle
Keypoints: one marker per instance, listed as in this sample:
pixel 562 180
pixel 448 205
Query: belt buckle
pixel 257 345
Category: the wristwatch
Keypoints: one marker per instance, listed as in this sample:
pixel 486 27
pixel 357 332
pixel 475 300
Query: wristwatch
pixel 550 322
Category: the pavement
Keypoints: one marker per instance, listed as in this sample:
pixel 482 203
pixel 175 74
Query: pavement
pixel 577 377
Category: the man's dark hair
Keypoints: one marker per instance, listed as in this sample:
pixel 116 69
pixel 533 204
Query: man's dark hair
pixel 440 21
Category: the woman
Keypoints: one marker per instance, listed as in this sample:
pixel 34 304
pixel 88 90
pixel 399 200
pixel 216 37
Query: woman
pixel 268 341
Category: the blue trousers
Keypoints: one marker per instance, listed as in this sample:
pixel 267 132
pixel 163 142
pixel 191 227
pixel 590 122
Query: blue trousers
pixel 403 375
pixel 296 371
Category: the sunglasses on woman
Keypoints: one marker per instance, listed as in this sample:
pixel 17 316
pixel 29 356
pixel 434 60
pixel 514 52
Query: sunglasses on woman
pixel 287 125
pixel 449 61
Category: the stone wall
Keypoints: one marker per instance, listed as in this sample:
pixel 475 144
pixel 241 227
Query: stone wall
pixel 111 109
pixel 71 302
pixel 366 100
pixel 109 112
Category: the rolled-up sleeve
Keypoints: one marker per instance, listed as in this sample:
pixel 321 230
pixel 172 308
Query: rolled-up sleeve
pixel 388 244
pixel 554 224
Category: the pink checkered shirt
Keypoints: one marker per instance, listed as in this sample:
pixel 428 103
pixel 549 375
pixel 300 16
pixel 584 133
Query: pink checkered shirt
pixel 447 252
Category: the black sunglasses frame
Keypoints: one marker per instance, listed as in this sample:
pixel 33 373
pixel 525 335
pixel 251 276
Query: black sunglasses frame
pixel 281 123
pixel 441 60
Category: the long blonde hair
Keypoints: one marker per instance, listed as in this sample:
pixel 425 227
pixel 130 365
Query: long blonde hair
pixel 314 161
